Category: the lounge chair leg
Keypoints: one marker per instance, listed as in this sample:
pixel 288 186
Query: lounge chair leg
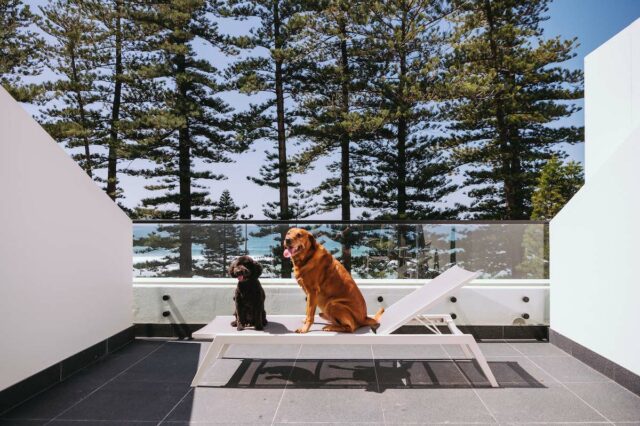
pixel 216 349
pixel 465 350
pixel 483 364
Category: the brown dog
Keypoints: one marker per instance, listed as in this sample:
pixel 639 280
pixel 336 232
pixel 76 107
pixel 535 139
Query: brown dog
pixel 327 285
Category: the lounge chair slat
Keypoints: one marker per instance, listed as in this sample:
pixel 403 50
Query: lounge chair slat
pixel 417 302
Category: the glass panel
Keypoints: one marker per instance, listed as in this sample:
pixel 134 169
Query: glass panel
pixel 384 251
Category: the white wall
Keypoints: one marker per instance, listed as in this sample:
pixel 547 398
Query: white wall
pixel 612 96
pixel 594 240
pixel 595 280
pixel 65 252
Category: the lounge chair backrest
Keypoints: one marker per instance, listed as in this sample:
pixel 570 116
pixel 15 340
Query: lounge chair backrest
pixel 420 300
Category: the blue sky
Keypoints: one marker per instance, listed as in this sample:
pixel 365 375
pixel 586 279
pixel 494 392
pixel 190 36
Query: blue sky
pixel 591 21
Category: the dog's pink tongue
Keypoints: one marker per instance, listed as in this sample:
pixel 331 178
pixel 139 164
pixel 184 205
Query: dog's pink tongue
pixel 287 253
pixel 240 277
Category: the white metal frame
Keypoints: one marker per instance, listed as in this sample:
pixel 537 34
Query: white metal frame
pixel 466 342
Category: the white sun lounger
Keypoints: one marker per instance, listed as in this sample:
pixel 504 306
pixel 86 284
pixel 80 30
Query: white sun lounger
pixel 280 329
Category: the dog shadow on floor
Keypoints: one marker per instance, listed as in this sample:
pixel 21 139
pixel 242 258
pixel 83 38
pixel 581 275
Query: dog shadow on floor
pixel 373 376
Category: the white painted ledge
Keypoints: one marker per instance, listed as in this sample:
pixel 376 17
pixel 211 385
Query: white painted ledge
pixel 198 301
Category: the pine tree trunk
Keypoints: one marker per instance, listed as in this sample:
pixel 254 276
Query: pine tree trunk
pixel 185 203
pixel 282 143
pixel 402 135
pixel 184 170
pixel 401 167
pixel 83 122
pixel 224 250
pixel 112 163
pixel 344 150
pixel 402 156
pixel 513 208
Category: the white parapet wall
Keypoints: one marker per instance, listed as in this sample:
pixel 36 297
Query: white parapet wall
pixel 198 301
pixel 65 252
pixel 595 282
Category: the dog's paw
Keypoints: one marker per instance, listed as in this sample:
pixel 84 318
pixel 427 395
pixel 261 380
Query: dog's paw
pixel 305 328
pixel 240 327
pixel 234 323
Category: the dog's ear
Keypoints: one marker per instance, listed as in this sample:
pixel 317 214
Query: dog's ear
pixel 231 266
pixel 312 240
pixel 257 269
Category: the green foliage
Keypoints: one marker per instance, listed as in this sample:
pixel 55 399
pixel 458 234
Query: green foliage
pixel 556 185
pixel 221 242
pixel 73 116
pixel 276 76
pixel 506 89
pixel 120 39
pixel 218 244
pixel 93 48
pixel 183 121
pixel 402 172
pixel 21 50
pixel 332 99
pixel 397 95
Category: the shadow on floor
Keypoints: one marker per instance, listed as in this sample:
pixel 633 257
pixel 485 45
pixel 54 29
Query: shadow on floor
pixel 374 376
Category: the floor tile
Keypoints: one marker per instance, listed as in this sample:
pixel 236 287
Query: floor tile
pixel 602 423
pixel 538 349
pixel 419 374
pixel 330 424
pixel 413 384
pixel 612 400
pixel 227 406
pixel 433 406
pixel 249 373
pixel 493 349
pixel 454 351
pixel 172 363
pixel 101 423
pixel 52 402
pixel 330 405
pixel 263 351
pixel 498 349
pixel 553 404
pixel 336 351
pixel 409 352
pixel 328 373
pixel 568 369
pixel 114 364
pixel 128 401
pixel 509 372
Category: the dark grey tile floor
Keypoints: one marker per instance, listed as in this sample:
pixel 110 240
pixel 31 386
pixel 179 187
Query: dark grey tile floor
pixel 147 383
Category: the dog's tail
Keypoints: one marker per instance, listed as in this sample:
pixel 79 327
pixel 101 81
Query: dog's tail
pixel 374 322
pixel 378 314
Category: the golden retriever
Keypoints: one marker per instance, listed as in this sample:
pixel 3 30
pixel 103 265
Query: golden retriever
pixel 327 284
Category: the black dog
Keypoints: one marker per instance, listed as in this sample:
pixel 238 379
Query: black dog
pixel 249 296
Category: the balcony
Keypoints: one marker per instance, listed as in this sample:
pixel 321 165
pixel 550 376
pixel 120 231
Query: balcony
pixel 96 330
pixel 147 382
